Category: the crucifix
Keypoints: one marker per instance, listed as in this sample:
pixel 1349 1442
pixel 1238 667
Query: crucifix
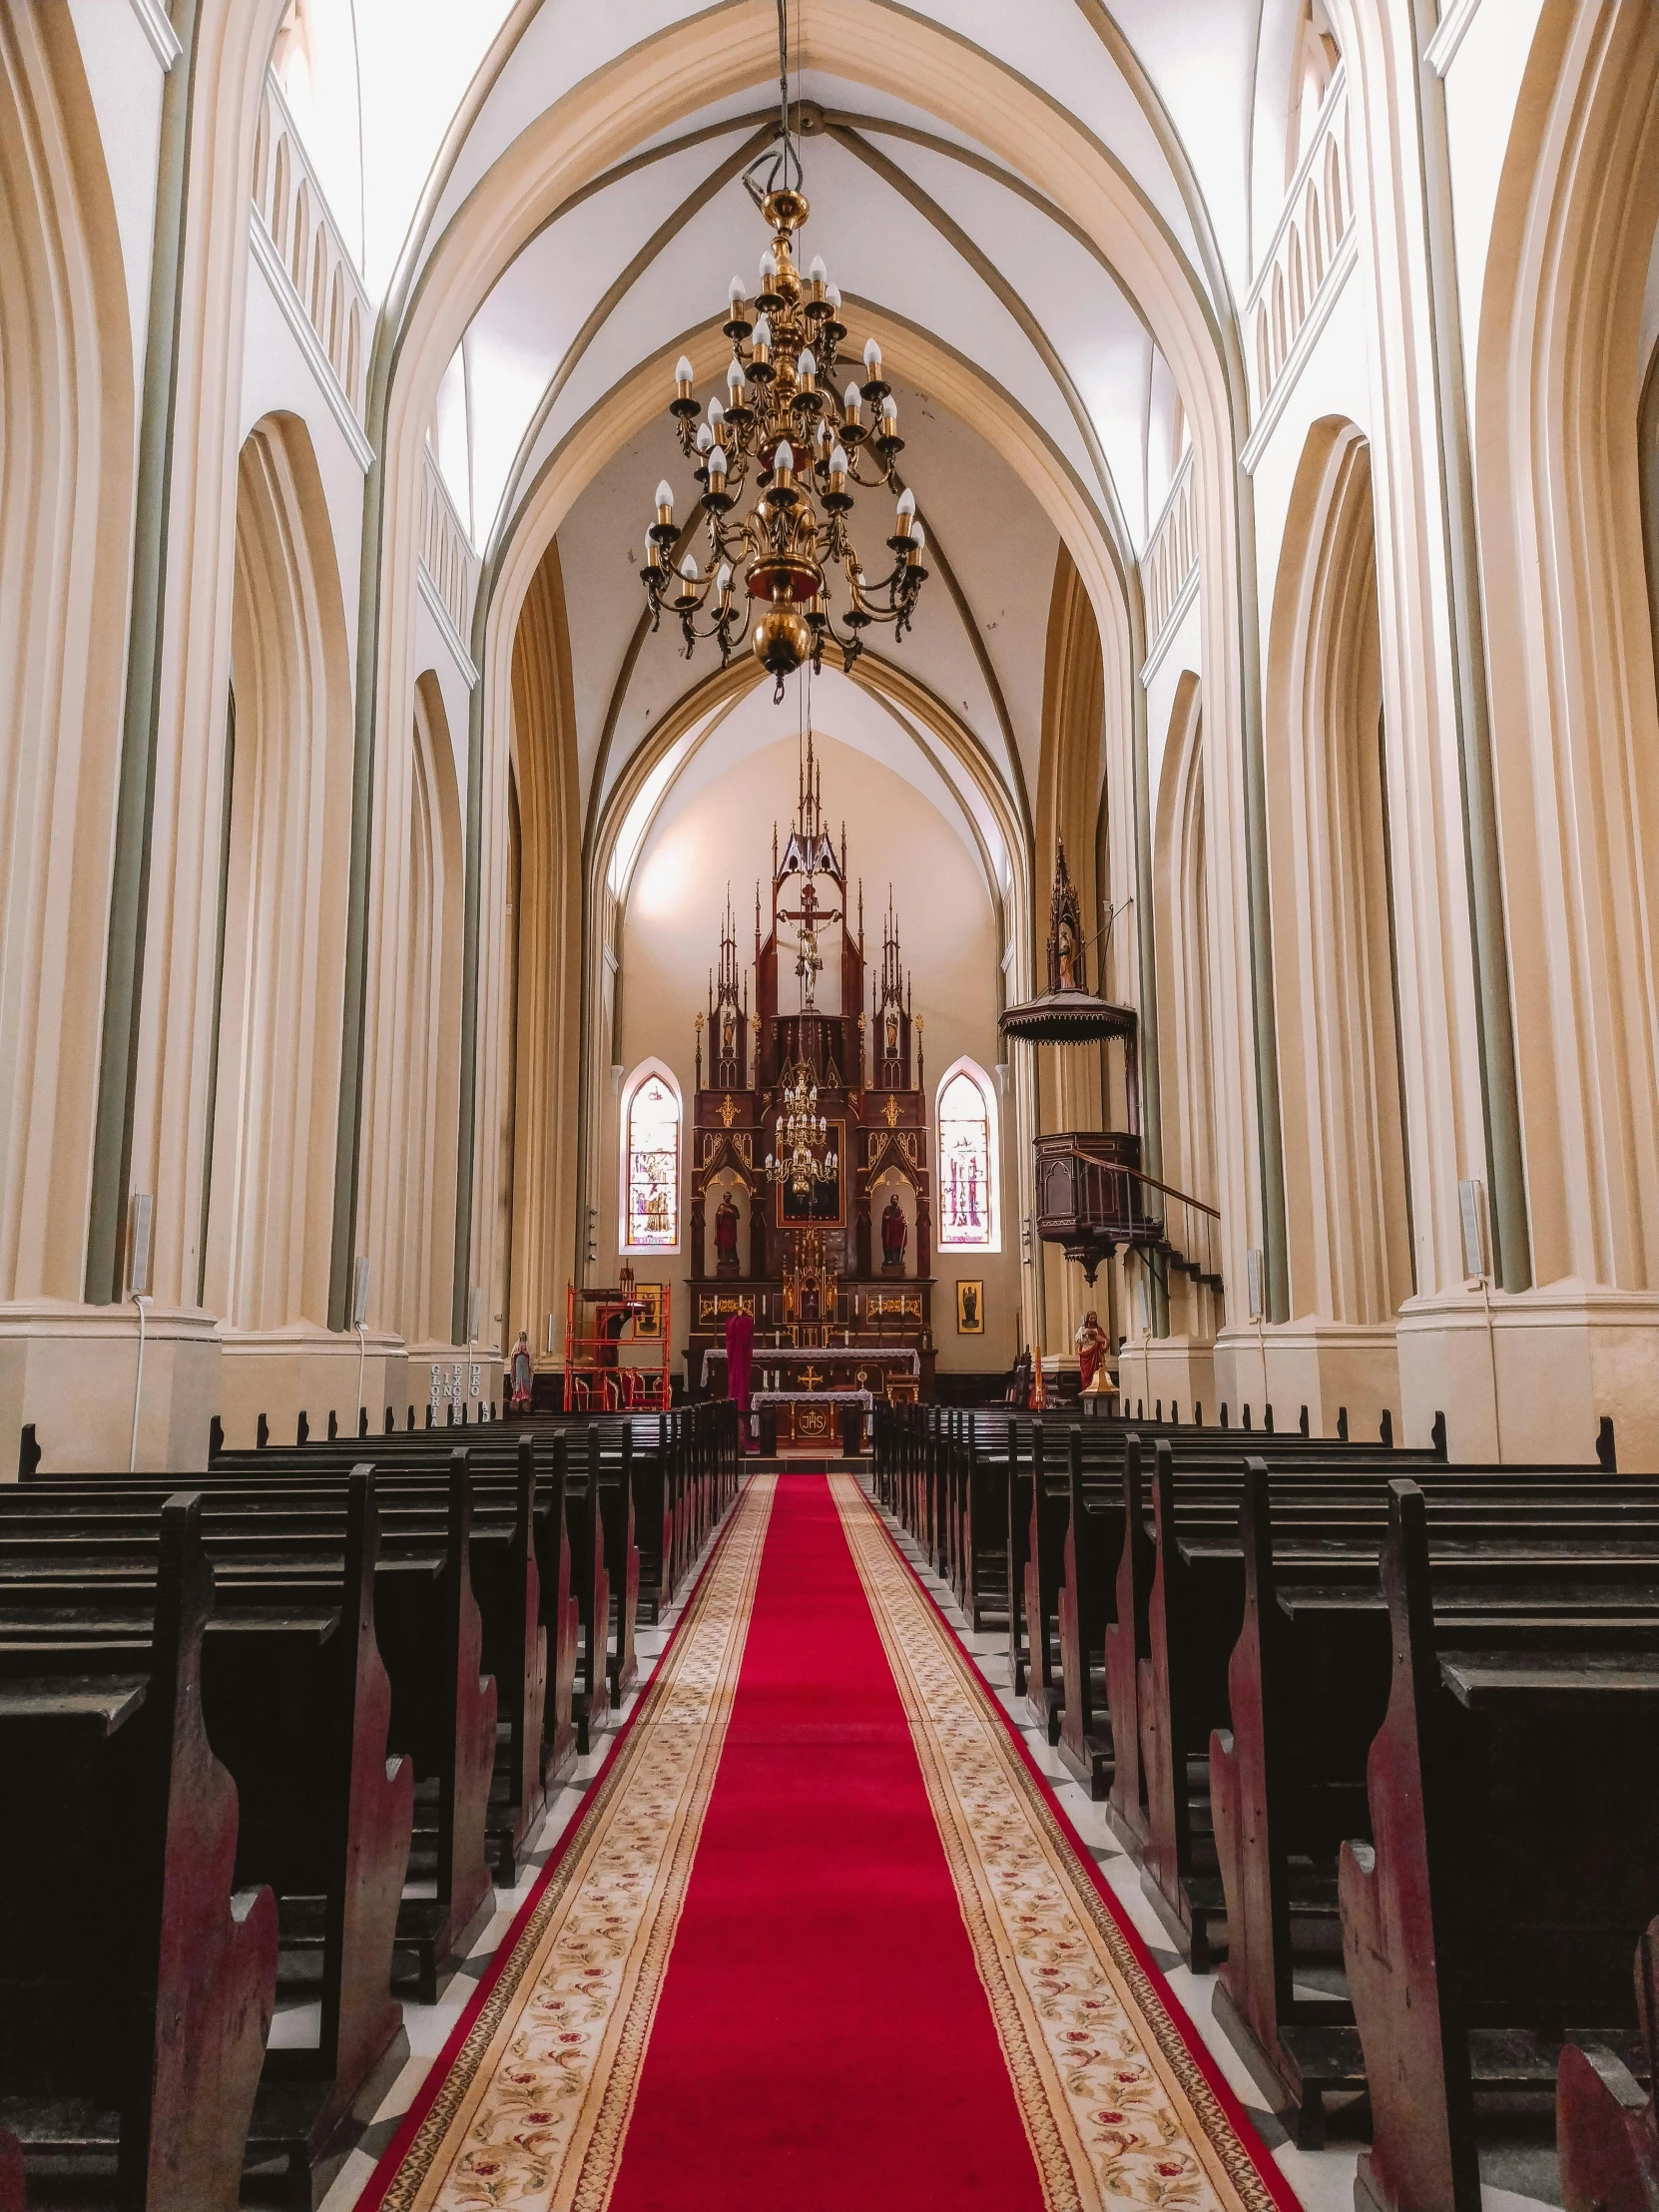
pixel 811 1377
pixel 808 965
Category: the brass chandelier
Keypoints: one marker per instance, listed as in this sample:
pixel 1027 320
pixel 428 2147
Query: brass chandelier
pixel 782 439
pixel 801 1129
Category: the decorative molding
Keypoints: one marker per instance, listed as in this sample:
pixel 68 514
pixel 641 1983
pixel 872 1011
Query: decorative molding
pixel 1177 484
pixel 446 548
pixel 1298 185
pixel 164 40
pixel 1171 623
pixel 1170 561
pixel 289 197
pixel 299 322
pixel 1455 18
pixel 1318 316
pixel 446 626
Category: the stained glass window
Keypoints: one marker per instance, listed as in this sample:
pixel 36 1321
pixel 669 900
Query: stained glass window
pixel 653 1165
pixel 964 1162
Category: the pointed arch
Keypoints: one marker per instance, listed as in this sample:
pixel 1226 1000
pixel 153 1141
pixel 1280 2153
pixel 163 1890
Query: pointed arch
pixel 1575 719
pixel 546 1009
pixel 421 1253
pixel 968 1152
pixel 272 1172
pixel 66 503
pixel 1181 935
pixel 653 1127
pixel 1329 843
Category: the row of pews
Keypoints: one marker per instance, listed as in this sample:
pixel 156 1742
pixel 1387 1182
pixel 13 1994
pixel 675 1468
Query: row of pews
pixel 1382 1733
pixel 270 1738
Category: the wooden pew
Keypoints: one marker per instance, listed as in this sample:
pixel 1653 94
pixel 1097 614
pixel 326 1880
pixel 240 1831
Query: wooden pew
pixel 1606 2138
pixel 133 2026
pixel 11 2172
pixel 584 1519
pixel 1084 1606
pixel 1044 1684
pixel 561 1626
pixel 1513 1799
pixel 529 1670
pixel 428 1630
pixel 298 1704
pixel 1019 1552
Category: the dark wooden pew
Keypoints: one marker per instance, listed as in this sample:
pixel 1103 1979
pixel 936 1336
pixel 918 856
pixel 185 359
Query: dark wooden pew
pixel 1176 1695
pixel 1084 1608
pixel 526 1600
pixel 1044 1566
pixel 1513 1797
pixel 298 1701
pixel 427 1627
pixel 1018 1543
pixel 1607 2137
pixel 133 2022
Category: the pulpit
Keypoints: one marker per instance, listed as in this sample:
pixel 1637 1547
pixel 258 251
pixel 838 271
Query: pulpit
pixel 1091 1190
pixel 1089 1195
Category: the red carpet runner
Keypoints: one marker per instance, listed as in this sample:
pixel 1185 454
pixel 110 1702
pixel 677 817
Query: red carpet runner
pixel 822 2032
pixel 819 1941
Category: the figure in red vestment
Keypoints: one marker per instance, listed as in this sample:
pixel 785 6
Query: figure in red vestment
pixel 1091 1346
pixel 739 1345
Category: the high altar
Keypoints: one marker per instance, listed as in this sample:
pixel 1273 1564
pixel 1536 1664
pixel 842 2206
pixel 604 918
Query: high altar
pixel 836 1277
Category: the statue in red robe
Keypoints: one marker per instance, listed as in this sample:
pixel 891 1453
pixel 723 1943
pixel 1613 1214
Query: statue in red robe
pixel 1091 1347
pixel 739 1351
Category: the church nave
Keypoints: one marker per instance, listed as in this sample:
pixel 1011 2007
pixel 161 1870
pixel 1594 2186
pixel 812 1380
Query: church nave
pixel 828 1105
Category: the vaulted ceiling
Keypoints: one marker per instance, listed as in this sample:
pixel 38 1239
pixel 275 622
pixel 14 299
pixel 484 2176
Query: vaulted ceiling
pixel 924 227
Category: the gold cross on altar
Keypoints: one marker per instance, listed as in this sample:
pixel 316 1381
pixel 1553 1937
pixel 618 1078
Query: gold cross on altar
pixel 811 1377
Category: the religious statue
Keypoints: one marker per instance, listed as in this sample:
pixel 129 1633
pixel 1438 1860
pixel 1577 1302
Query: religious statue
pixel 808 967
pixel 1066 946
pixel 892 1025
pixel 729 1035
pixel 1091 1349
pixel 895 1235
pixel 522 1375
pixel 726 1235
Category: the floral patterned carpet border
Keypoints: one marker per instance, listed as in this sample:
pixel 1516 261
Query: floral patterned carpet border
pixel 1121 2103
pixel 529 2103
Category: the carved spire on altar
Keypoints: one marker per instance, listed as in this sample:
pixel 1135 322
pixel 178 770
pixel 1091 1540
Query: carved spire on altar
pixel 893 1011
pixel 811 850
pixel 729 1010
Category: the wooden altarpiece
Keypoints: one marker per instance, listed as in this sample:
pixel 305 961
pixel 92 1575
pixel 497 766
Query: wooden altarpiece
pixel 851 1026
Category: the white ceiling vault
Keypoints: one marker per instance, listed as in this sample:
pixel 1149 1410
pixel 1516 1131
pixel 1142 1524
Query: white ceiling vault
pixel 923 227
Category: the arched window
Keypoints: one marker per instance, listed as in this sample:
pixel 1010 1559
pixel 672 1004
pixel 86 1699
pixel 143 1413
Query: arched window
pixel 967 1160
pixel 651 1161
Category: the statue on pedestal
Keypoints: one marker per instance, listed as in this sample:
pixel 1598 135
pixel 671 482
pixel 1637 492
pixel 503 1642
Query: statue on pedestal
pixel 1090 1341
pixel 726 1235
pixel 895 1235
